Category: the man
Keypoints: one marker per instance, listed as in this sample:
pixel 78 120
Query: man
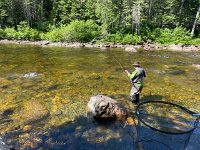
pixel 137 80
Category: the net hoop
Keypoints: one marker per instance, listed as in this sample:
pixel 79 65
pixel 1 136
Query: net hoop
pixel 169 103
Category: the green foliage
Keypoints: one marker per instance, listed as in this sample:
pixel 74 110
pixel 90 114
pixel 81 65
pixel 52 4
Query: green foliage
pixel 2 34
pixel 10 33
pixel 137 39
pixel 115 38
pixel 3 13
pixel 26 33
pixel 130 39
pixel 124 39
pixel 76 31
pixel 55 35
pixel 155 34
pixel 169 36
pixel 194 41
pixel 145 33
pixel 81 31
pixel 23 32
pixel 155 20
pixel 60 13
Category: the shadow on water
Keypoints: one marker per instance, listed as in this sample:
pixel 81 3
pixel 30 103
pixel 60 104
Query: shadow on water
pixel 151 97
pixel 81 134
pixel 164 126
pixel 177 72
pixel 84 133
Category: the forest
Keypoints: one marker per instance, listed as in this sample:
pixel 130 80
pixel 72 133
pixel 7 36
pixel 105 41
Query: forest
pixel 115 21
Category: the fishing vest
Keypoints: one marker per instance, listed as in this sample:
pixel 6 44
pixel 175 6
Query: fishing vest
pixel 139 75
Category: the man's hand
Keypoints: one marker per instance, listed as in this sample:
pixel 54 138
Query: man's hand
pixel 126 71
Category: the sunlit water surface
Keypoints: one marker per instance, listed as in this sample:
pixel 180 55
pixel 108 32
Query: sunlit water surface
pixel 47 111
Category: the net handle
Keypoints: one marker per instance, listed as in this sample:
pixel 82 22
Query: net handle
pixel 196 115
pixel 197 120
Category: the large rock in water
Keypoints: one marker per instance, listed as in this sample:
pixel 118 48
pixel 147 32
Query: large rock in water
pixel 104 108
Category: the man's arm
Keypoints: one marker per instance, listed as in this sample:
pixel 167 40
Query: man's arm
pixel 127 72
pixel 131 75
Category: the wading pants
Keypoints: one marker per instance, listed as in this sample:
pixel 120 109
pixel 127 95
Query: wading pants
pixel 135 93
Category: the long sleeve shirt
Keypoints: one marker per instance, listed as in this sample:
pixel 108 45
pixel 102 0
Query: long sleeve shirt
pixel 137 77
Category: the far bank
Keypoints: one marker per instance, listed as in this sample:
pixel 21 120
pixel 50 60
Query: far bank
pixel 148 46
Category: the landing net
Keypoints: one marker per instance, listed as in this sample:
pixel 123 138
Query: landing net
pixel 164 125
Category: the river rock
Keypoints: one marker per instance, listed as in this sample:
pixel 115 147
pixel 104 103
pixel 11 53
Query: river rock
pixel 130 49
pixel 103 108
pixel 175 47
pixel 41 42
pixel 189 48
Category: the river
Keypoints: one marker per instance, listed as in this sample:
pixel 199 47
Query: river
pixel 44 92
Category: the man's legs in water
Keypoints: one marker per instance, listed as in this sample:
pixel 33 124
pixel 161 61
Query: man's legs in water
pixel 135 94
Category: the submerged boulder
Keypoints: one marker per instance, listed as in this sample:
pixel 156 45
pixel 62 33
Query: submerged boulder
pixel 103 108
pixel 30 75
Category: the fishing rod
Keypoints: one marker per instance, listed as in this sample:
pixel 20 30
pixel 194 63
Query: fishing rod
pixel 119 63
pixel 123 69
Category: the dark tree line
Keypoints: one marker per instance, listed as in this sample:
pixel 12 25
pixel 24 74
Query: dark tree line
pixel 124 16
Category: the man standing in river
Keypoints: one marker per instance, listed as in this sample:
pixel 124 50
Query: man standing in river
pixel 137 81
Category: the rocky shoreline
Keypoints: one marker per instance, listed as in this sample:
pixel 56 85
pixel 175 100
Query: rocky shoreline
pixel 130 48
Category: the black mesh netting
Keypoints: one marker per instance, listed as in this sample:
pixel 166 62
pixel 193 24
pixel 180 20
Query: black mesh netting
pixel 164 126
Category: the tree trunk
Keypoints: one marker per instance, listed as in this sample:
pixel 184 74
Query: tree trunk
pixel 133 20
pixel 12 12
pixel 27 12
pixel 149 10
pixel 136 18
pixel 180 11
pixel 195 22
pixel 42 13
pixel 139 15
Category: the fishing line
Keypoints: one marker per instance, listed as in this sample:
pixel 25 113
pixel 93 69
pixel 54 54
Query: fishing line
pixel 123 69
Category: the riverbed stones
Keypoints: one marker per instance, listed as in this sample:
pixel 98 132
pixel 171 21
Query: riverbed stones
pixel 4 83
pixel 145 46
pixel 30 75
pixel 3 145
pixel 175 47
pixel 104 108
pixel 189 48
pixel 32 111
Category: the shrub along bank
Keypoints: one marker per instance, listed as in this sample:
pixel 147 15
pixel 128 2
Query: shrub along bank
pixel 89 31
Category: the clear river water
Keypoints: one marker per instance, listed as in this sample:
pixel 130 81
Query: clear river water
pixel 44 92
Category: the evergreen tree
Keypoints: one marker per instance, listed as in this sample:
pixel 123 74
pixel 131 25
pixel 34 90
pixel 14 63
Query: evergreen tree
pixel 3 13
